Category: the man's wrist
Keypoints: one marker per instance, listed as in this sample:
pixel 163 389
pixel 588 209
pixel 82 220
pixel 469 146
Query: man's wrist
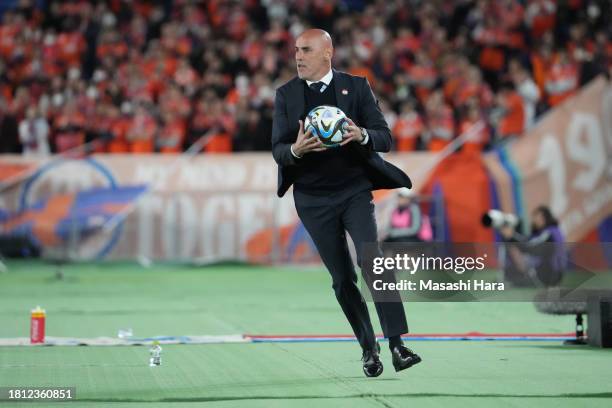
pixel 293 153
pixel 365 136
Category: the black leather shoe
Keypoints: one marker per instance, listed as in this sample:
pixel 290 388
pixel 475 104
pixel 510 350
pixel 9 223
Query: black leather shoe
pixel 372 366
pixel 404 358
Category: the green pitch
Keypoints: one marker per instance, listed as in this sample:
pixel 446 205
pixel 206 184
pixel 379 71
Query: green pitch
pixel 97 300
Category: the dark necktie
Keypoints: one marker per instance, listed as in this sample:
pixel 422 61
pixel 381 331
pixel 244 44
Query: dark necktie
pixel 316 86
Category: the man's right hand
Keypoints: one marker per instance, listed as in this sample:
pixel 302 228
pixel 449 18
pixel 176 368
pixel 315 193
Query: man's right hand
pixel 305 143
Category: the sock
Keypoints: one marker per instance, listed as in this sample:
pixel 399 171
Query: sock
pixel 395 341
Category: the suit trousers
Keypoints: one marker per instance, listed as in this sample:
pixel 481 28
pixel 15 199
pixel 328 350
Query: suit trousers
pixel 327 224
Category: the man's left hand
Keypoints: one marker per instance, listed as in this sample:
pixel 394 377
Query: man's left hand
pixel 352 133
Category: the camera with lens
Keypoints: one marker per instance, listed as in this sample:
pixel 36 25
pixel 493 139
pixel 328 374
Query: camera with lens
pixel 497 219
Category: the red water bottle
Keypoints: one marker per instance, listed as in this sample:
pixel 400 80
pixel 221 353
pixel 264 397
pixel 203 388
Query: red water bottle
pixel 37 326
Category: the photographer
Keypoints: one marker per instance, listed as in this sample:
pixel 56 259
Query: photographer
pixel 537 260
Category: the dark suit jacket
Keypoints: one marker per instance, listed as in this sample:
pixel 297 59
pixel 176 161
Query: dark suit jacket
pixel 355 98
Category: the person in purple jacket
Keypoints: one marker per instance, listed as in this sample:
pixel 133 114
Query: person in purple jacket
pixel 539 259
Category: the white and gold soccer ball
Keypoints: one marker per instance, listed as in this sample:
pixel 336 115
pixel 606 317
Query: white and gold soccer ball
pixel 328 123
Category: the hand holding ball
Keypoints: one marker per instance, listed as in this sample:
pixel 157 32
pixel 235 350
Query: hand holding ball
pixel 325 127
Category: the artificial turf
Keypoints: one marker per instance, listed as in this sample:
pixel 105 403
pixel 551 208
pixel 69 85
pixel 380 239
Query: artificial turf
pixel 98 299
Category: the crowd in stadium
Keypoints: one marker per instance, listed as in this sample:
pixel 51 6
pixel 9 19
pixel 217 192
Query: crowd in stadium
pixel 149 76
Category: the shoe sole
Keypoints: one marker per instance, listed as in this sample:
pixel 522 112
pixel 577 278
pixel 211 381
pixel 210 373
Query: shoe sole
pixel 376 374
pixel 415 360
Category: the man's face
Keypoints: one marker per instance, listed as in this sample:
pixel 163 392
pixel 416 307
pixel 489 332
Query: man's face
pixel 312 58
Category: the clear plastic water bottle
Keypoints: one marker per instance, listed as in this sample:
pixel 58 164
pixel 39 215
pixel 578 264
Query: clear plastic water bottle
pixel 125 333
pixel 155 352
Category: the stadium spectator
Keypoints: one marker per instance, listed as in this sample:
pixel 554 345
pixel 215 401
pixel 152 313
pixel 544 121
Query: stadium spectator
pixel 172 134
pixel 509 113
pixel 119 124
pixel 34 134
pixel 142 131
pixel 409 128
pixel 423 75
pixel 473 87
pixel 561 78
pixel 69 128
pixel 474 123
pixel 440 122
pixel 223 125
pixel 527 89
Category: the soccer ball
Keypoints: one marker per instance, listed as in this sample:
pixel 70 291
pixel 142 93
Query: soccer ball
pixel 328 123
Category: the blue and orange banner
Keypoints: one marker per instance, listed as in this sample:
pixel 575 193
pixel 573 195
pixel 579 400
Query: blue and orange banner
pixel 564 162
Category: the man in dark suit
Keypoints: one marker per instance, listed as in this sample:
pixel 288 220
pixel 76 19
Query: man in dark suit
pixel 332 186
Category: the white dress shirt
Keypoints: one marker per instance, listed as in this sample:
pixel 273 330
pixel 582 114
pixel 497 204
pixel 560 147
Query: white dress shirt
pixel 327 78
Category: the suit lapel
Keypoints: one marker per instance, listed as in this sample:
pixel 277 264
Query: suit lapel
pixel 343 92
pixel 296 102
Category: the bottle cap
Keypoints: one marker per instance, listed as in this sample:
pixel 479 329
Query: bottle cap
pixel 38 312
